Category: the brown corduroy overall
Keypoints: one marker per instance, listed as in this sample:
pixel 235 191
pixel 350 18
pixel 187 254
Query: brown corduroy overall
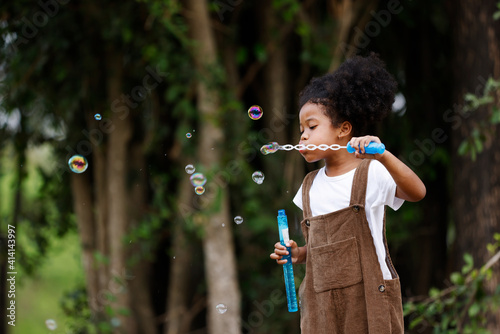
pixel 343 290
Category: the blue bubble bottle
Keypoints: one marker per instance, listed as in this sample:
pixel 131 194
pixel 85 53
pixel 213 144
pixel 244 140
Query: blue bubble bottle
pixel 291 295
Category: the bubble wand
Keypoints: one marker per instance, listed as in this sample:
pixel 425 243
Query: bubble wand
pixel 372 148
pixel 291 295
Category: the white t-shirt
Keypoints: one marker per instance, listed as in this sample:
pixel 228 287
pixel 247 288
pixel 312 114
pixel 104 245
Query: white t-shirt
pixel 329 194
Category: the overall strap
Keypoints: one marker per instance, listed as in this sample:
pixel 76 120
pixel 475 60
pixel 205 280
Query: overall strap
pixel 306 186
pixel 358 192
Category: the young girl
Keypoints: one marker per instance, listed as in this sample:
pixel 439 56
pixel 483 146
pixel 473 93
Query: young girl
pixel 350 284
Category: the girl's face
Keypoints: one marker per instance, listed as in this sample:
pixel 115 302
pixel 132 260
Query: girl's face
pixel 316 128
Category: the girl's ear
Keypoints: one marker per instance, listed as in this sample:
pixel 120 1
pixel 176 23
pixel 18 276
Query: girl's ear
pixel 345 130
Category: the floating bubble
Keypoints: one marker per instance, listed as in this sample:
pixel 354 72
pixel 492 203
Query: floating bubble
pixel 51 324
pixel 115 322
pixel 238 220
pixel 258 177
pixel 221 308
pixel 199 190
pixel 255 112
pixel 98 117
pixel 189 169
pixel 78 164
pixel 269 148
pixel 198 179
pixel 188 135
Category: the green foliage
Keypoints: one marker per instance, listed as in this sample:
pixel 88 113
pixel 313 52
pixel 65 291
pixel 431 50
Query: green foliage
pixel 465 305
pixel 496 15
pixel 75 305
pixel 484 129
pixel 287 8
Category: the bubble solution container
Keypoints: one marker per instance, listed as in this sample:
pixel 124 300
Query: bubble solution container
pixel 372 148
pixel 291 295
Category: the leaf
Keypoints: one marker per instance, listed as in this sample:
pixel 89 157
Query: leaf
pixel 434 293
pixel 408 308
pixel 416 321
pixel 474 310
pixel 469 263
pixel 109 311
pixel 260 53
pixel 464 148
pixel 124 311
pixel 491 248
pixel 469 97
pixel 495 115
pixel 241 55
pixel 457 278
pixel 445 323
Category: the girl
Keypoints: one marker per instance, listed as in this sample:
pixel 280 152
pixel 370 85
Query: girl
pixel 350 284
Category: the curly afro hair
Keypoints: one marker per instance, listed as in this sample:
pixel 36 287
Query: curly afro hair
pixel 360 91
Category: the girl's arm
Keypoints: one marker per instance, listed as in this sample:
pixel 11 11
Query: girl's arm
pixel 409 186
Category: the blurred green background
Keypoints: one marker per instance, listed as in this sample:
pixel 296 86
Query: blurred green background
pixel 128 247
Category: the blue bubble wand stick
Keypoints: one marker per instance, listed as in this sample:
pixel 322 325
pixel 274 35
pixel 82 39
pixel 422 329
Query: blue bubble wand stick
pixel 372 148
pixel 291 295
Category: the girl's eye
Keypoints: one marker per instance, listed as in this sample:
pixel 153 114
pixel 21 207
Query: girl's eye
pixel 313 127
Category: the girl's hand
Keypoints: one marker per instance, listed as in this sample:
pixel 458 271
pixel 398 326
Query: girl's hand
pixel 359 143
pixel 280 251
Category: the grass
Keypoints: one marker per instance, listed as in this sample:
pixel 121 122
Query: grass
pixel 37 298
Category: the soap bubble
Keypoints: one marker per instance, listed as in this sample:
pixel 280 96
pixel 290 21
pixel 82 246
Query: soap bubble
pixel 98 117
pixel 269 148
pixel 198 179
pixel 199 190
pixel 258 177
pixel 255 112
pixel 221 308
pixel 238 220
pixel 189 169
pixel 51 324
pixel 78 164
pixel 115 322
pixel 188 135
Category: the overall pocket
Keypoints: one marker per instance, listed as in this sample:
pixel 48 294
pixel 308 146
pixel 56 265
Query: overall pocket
pixel 335 265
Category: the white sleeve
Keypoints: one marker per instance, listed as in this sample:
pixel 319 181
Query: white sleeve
pixel 298 198
pixel 386 186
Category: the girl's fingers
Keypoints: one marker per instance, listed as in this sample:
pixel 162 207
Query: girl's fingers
pixel 359 143
pixel 281 251
pixel 277 258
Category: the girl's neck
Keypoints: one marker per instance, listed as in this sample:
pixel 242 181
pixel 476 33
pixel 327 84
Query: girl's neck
pixel 341 164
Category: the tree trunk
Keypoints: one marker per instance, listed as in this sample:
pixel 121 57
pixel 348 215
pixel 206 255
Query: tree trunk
pixel 218 247
pixel 139 282
pixel 82 203
pixel 101 214
pixel 427 248
pixel 275 72
pixel 177 320
pixel 117 193
pixel 476 183
pixel 352 18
